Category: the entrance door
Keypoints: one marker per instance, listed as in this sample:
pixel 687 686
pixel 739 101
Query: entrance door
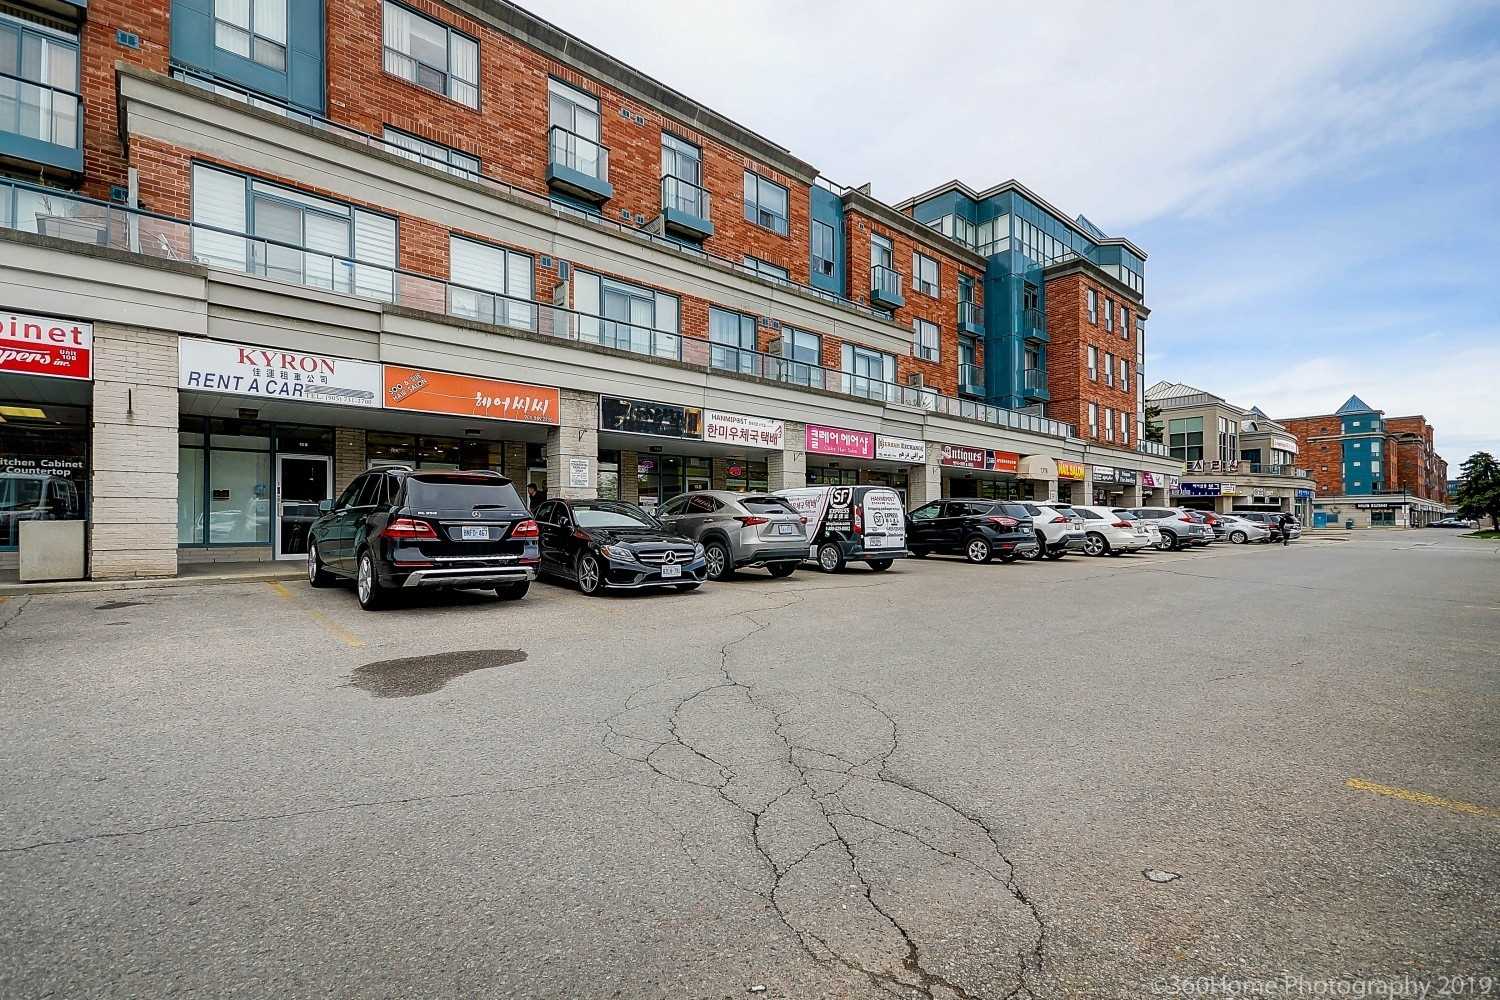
pixel 302 482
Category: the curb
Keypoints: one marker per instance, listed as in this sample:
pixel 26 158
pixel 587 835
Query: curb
pixel 96 586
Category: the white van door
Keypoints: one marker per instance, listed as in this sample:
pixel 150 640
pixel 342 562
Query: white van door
pixel 812 503
pixel 884 519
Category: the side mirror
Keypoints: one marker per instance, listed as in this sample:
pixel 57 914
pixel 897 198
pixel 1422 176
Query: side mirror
pixel 324 506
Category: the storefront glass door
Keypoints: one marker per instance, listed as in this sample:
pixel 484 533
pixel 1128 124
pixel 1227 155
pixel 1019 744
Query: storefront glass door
pixel 302 482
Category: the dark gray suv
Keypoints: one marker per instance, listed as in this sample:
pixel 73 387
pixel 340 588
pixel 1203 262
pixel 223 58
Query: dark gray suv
pixel 738 530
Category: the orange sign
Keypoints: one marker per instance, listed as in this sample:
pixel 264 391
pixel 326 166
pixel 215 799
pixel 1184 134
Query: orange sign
pixel 1071 470
pixel 468 396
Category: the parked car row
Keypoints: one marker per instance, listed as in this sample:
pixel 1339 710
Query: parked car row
pixel 394 530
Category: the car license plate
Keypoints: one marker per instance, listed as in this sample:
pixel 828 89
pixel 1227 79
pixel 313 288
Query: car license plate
pixel 786 529
pixel 671 572
pixel 475 534
pixel 874 541
pixel 1078 524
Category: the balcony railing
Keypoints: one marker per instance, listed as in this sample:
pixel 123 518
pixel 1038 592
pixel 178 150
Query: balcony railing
pixel 578 152
pixel 885 287
pixel 1155 448
pixel 42 114
pixel 971 379
pixel 1034 379
pixel 680 195
pixel 1033 323
pixel 1261 469
pixel 33 209
pixel 970 317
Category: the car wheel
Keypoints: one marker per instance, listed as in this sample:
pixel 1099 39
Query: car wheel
pixel 779 570
pixel 687 588
pixel 317 576
pixel 1041 546
pixel 1094 544
pixel 978 551
pixel 1168 542
pixel 880 565
pixel 367 583
pixel 830 558
pixel 716 556
pixel 1238 537
pixel 513 591
pixel 590 575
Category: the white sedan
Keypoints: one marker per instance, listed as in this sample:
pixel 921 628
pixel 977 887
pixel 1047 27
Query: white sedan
pixel 1110 532
pixel 1242 531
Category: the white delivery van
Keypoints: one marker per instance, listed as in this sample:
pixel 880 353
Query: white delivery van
pixel 851 523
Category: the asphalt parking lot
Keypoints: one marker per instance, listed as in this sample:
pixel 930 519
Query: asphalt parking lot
pixel 1094 777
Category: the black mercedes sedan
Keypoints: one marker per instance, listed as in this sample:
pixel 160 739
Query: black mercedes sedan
pixel 609 545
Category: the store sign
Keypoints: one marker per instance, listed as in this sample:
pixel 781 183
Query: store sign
pixel 1125 476
pixel 1378 506
pixel 1104 474
pixel 1151 480
pixel 958 456
pixel 1071 470
pixel 905 450
pixel 639 416
pixel 738 429
pixel 469 396
pixel 1199 489
pixel 1304 494
pixel 1284 444
pixel 838 441
pixel 1214 467
pixel 241 370
pixel 44 345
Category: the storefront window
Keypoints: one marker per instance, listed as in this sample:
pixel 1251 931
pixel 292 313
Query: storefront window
pixel 746 477
pixel 239 497
pixel 609 475
pixel 424 452
pixel 43 466
pixel 832 477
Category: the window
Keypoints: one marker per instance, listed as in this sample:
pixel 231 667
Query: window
pixel 431 55
pixel 924 274
pixel 1093 363
pixel 1124 322
pixel 924 342
pixel 1124 428
pixel 431 154
pixel 822 248
pixel 630 318
pixel 682 173
pixel 867 372
pixel 1093 420
pixel 1031 296
pixel 497 283
pixel 1109 314
pixel 302 239
pixel 1229 440
pixel 1124 374
pixel 574 119
pixel 804 354
pixel 41 100
pixel 1109 369
pixel 1033 357
pixel 765 203
pixel 1109 424
pixel 766 269
pixel 252 29
pixel 1185 438
pixel 965 288
pixel 1093 307
pixel 968 351
pixel 732 341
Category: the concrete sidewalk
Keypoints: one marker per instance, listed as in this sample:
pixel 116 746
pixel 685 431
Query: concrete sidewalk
pixel 191 575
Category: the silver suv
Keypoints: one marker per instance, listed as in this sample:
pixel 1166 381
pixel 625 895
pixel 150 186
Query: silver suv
pixel 738 530
pixel 1178 528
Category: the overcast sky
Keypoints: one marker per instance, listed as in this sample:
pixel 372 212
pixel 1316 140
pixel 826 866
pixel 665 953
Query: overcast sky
pixel 1316 183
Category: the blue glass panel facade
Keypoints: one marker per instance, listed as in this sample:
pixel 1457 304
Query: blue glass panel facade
pixel 301 82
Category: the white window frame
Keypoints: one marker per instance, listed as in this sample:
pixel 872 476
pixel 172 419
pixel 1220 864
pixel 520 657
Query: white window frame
pixel 1093 363
pixel 1093 420
pixel 1093 300
pixel 1109 424
pixel 756 213
pixel 1109 369
pixel 660 336
pixel 402 64
pixel 823 263
pixel 921 265
pixel 865 384
pixel 1109 315
pixel 926 340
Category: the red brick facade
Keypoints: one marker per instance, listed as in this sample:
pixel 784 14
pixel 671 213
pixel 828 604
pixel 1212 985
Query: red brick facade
pixel 1071 333
pixel 1324 459
pixel 1419 468
pixel 1410 462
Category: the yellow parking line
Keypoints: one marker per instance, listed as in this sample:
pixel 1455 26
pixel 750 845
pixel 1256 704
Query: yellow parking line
pixel 330 626
pixel 1421 798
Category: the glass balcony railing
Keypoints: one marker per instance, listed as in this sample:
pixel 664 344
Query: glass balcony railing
pixel 885 287
pixel 1034 379
pixel 579 153
pixel 1153 448
pixel 684 197
pixel 970 317
pixel 41 116
pixel 971 379
pixel 43 211
pixel 1033 323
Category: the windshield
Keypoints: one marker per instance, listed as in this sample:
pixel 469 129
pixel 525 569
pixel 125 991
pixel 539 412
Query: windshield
pixel 439 494
pixel 613 516
pixel 1124 515
pixel 767 505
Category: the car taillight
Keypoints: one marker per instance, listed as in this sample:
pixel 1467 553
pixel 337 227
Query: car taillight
pixel 1120 524
pixel 750 520
pixel 859 520
pixel 1186 520
pixel 411 528
pixel 1004 522
pixel 1059 519
pixel 526 529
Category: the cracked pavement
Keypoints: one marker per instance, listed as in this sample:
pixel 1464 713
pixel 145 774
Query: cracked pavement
pixel 941 782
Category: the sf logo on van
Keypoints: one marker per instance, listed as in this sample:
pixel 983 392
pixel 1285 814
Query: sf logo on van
pixel 841 495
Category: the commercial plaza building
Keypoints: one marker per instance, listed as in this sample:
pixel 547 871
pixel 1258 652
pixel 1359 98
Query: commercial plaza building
pixel 1236 459
pixel 1373 470
pixel 250 249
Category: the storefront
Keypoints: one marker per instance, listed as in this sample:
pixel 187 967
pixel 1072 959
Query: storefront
pixel 1072 478
pixel 1199 496
pixel 839 456
pixel 983 473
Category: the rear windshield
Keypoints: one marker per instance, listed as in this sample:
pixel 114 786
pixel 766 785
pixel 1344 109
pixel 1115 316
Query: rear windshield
pixel 767 505
pixel 1124 515
pixel 1015 510
pixel 465 494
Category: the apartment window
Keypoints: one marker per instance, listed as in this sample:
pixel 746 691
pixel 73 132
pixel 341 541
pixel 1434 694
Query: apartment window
pixel 252 29
pixel 1185 438
pixel 1124 322
pixel 803 352
pixel 968 351
pixel 1033 358
pixel 1093 420
pixel 302 239
pixel 1031 296
pixel 1229 440
pixel 1109 315
pixel 1093 364
pixel 1109 369
pixel 882 254
pixel 682 168
pixel 1124 375
pixel 822 248
pixel 924 342
pixel 574 117
pixel 867 373
pixel 630 318
pixel 1109 424
pixel 431 55
pixel 765 203
pixel 965 288
pixel 1093 307
pixel 924 274
pixel 767 269
pixel 732 341
pixel 1124 428
pixel 496 283
pixel 431 154
pixel 40 98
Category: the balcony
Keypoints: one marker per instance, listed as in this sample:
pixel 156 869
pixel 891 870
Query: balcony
pixel 1259 469
pixel 1034 384
pixel 578 166
pixel 1153 448
pixel 885 287
pixel 40 125
pixel 971 380
pixel 1034 325
pixel 685 208
pixel 970 318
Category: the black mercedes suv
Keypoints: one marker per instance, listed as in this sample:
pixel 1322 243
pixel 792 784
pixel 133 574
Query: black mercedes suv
pixel 397 530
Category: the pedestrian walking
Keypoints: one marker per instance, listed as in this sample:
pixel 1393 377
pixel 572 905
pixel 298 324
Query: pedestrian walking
pixel 534 497
pixel 1286 529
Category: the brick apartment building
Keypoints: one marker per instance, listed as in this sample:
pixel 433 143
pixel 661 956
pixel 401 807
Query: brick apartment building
pixel 196 193
pixel 1373 470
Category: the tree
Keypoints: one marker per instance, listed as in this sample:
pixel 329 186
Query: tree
pixel 1153 423
pixel 1478 493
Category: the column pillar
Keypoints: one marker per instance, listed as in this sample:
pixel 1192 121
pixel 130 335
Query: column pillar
pixel 1131 497
pixel 133 508
pixel 925 482
pixel 573 447
pixel 630 483
pixel 348 456
pixel 787 469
